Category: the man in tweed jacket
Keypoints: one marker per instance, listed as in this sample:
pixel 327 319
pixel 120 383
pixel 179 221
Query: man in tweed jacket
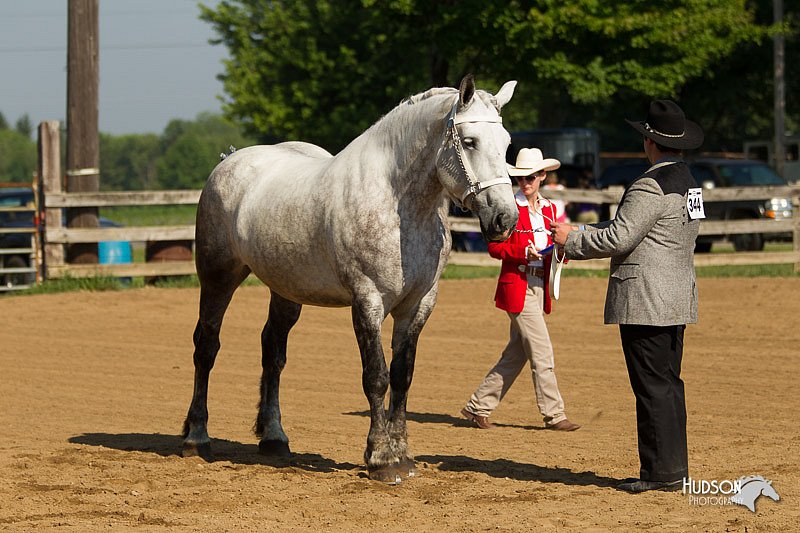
pixel 651 290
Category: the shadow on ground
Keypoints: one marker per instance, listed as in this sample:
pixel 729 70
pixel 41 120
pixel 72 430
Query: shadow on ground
pixel 223 450
pixel 439 418
pixel 503 468
pixel 247 454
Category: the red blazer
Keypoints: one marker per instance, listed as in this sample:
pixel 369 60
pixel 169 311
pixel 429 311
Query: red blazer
pixel 512 283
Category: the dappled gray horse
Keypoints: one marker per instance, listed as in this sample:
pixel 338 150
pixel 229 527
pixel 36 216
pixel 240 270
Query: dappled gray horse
pixel 367 229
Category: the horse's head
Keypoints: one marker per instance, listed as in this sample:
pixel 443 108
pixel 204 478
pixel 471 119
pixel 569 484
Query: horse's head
pixel 471 163
pixel 769 491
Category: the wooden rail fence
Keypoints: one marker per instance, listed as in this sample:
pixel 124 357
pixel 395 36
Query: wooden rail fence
pixel 56 236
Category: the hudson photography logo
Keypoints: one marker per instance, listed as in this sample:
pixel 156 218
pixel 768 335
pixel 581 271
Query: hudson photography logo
pixel 743 491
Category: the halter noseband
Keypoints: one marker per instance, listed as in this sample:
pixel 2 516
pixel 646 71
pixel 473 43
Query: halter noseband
pixel 474 185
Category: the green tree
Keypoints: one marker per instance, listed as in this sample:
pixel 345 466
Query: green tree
pixel 736 98
pixel 323 70
pixel 191 149
pixel 18 157
pixel 320 71
pixel 187 162
pixel 128 162
pixel 24 125
pixel 3 123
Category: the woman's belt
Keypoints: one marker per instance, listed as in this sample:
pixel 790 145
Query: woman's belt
pixel 532 271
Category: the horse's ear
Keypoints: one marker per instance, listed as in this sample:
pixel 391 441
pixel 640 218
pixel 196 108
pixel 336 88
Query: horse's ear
pixel 505 93
pixel 466 90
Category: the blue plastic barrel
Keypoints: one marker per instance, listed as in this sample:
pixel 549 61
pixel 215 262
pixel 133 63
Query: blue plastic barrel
pixel 114 252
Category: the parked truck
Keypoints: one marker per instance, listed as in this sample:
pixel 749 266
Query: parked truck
pixel 765 151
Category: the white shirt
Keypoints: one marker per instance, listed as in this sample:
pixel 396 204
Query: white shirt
pixel 539 225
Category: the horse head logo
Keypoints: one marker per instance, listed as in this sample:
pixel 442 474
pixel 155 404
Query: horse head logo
pixel 751 487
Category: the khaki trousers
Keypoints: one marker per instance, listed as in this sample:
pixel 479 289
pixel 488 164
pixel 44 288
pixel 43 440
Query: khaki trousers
pixel 529 342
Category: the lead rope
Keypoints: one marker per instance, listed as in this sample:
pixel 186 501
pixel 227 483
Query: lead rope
pixel 555 273
pixel 556 263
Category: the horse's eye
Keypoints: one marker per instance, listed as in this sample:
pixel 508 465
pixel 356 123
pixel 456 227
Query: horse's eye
pixel 469 142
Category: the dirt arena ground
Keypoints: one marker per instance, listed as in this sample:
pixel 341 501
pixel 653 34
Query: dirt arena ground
pixel 94 388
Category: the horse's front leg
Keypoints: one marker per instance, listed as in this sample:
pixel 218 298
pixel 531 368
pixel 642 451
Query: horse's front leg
pixel 382 462
pixel 408 325
pixel 283 314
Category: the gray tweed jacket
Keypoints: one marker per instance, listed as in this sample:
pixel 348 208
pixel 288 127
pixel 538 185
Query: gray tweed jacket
pixel 651 244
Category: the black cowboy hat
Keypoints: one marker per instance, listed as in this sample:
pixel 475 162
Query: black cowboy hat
pixel 668 126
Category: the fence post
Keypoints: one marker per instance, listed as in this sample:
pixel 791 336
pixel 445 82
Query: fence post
pixel 83 144
pixel 50 182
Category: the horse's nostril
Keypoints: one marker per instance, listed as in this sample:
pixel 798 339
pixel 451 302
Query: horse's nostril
pixel 499 222
pixel 503 221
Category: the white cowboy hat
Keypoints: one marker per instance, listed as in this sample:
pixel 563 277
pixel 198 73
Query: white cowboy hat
pixel 530 161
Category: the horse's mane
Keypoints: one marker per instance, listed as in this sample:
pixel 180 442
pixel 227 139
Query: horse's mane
pixel 406 119
pixel 411 100
pixel 402 117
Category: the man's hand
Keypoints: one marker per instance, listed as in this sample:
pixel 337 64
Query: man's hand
pixel 560 232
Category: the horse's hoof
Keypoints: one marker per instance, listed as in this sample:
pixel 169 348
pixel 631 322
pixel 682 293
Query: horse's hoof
pixel 407 468
pixel 274 448
pixel 203 451
pixel 391 474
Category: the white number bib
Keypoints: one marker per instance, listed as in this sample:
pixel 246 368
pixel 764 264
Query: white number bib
pixel 694 204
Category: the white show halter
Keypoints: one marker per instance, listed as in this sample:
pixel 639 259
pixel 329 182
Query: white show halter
pixel 474 185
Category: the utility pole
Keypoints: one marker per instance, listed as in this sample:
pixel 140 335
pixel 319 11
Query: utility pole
pixel 780 87
pixel 83 144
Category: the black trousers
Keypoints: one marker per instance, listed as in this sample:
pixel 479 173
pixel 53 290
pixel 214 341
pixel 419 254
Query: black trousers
pixel 653 355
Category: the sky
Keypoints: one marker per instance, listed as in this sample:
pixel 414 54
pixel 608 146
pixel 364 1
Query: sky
pixel 155 63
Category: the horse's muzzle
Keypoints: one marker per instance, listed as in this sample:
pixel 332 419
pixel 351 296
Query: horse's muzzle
pixel 499 226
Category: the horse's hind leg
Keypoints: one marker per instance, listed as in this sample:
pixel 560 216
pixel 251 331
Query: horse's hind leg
pixel 216 290
pixel 283 314
pixel 408 324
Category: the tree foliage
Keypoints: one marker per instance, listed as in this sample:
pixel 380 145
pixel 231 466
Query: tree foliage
pixel 191 149
pixel 736 97
pixel 181 157
pixel 24 125
pixel 128 162
pixel 324 70
pixel 321 70
pixel 18 157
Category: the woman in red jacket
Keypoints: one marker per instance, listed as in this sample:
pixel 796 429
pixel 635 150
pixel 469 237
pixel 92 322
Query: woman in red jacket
pixel 522 291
